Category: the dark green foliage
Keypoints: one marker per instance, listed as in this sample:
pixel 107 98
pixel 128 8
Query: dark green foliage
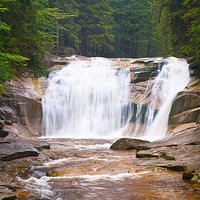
pixel 9 64
pixel 68 28
pixel 32 29
pixel 181 28
pixel 133 28
pixel 27 28
pixel 191 17
pixel 95 21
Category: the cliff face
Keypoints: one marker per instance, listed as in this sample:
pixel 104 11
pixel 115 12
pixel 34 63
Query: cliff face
pixel 186 107
pixel 185 112
pixel 20 107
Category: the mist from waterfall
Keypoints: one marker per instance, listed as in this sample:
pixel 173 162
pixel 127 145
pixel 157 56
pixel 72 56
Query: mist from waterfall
pixel 87 99
pixel 172 78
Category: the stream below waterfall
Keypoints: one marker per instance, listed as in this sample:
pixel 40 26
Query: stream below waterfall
pixel 88 170
pixel 90 99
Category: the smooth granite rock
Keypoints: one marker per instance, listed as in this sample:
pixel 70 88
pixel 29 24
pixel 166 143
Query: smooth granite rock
pixel 15 150
pixel 129 144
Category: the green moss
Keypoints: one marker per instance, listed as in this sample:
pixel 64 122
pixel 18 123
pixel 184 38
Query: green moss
pixel 176 168
pixel 2 89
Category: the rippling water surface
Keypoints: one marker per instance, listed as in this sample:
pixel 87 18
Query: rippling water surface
pixel 88 169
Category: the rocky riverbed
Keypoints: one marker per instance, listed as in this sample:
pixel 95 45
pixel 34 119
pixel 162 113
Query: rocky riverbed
pixel 89 169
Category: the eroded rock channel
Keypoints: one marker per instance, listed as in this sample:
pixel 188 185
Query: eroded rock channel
pixel 88 169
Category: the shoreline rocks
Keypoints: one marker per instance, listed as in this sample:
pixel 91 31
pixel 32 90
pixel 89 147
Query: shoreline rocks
pixel 15 150
pixel 186 107
pixel 176 153
pixel 129 144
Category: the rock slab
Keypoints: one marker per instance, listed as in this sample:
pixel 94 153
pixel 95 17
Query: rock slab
pixel 129 144
pixel 6 193
pixel 14 150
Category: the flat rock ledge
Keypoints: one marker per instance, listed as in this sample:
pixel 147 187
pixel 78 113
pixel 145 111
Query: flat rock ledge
pixel 178 153
pixel 14 150
pixel 130 144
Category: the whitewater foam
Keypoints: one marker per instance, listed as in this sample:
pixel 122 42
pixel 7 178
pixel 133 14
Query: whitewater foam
pixel 87 99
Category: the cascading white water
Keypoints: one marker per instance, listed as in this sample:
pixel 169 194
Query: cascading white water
pixel 86 99
pixel 172 79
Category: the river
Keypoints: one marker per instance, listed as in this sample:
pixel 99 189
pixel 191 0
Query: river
pixel 88 169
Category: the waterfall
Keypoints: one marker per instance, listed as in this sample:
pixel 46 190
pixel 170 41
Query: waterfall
pixel 86 99
pixel 172 78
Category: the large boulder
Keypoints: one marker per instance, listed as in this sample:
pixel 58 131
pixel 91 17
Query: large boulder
pixel 129 144
pixel 186 100
pixel 141 69
pixel 186 107
pixel 188 116
pixel 15 150
pixel 4 133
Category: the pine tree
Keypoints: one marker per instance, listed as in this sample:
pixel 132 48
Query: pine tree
pixel 8 62
pixel 133 28
pixel 95 23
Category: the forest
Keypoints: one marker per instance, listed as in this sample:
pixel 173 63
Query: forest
pixel 30 30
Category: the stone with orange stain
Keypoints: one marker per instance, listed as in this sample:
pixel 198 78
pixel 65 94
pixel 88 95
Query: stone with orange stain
pixel 23 194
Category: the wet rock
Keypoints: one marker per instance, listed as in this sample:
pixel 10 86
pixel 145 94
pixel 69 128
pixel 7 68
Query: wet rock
pixel 144 74
pixel 191 174
pixel 187 116
pixel 8 113
pixel 155 153
pixel 184 137
pixel 186 100
pixel 188 174
pixel 4 133
pixel 39 173
pixel 140 92
pixel 186 107
pixel 7 194
pixel 59 62
pixel 129 144
pixel 176 168
pixel 162 155
pixel 194 143
pixel 145 68
pixel 15 150
pixel 141 69
pixel 166 157
pixel 2 124
pixel 22 104
pixel 8 122
pixel 42 147
pixel 30 113
pixel 146 155
pixel 177 153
